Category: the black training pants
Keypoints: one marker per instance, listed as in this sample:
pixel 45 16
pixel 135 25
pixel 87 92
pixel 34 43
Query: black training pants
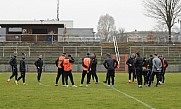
pixel 14 73
pixel 146 77
pixel 69 74
pixel 111 74
pixel 60 72
pixel 22 76
pixel 157 77
pixel 93 72
pixel 83 76
pixel 139 75
pixel 39 71
pixel 130 71
pixel 163 75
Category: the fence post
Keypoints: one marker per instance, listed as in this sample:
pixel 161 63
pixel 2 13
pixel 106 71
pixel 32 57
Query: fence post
pixel 36 38
pixel 52 39
pixel 44 68
pixel 88 49
pixel 29 51
pixel 16 49
pixel 63 49
pixel 143 50
pixel 101 50
pixel 130 50
pixel 3 51
pixel 76 51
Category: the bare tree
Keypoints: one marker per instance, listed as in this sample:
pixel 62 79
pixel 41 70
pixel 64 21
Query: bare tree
pixel 106 27
pixel 121 35
pixel 121 30
pixel 161 27
pixel 166 11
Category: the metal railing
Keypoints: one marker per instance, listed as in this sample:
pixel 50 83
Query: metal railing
pixel 88 49
pixel 165 50
pixel 157 40
pixel 53 38
pixel 79 39
pixel 49 38
pixel 14 49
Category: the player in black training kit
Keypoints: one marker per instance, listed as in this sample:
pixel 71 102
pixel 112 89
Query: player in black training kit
pixel 138 67
pixel 131 68
pixel 13 63
pixel 94 67
pixel 110 64
pixel 22 69
pixel 39 65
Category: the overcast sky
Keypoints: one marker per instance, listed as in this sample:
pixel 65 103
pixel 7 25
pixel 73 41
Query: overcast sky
pixel 128 14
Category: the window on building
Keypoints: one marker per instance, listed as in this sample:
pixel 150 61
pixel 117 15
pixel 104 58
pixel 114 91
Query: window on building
pixel 39 31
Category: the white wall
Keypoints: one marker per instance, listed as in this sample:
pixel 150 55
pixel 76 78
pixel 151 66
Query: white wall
pixel 2 34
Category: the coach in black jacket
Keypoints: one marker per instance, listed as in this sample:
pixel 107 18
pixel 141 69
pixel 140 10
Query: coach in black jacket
pixel 94 67
pixel 138 67
pixel 22 69
pixel 110 64
pixel 39 66
pixel 131 67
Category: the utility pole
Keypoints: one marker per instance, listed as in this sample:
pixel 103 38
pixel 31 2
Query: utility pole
pixel 179 37
pixel 180 32
pixel 58 10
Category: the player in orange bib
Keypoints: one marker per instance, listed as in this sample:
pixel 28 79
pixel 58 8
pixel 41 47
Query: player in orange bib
pixel 67 65
pixel 60 69
pixel 86 63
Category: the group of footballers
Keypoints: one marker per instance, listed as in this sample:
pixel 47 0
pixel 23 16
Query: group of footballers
pixel 89 64
pixel 22 68
pixel 138 66
pixel 64 64
pixel 147 69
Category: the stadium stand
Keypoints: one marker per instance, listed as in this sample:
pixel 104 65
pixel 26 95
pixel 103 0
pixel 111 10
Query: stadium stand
pixel 51 52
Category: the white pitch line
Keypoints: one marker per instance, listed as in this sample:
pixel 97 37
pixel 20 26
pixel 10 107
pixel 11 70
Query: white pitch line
pixel 129 96
pixel 146 105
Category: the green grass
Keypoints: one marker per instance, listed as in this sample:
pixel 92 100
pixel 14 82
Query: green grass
pixel 96 96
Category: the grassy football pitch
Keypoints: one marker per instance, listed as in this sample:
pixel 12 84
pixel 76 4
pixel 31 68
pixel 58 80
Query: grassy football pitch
pixel 95 96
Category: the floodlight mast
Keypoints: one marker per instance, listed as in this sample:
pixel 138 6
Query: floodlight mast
pixel 180 30
pixel 58 2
